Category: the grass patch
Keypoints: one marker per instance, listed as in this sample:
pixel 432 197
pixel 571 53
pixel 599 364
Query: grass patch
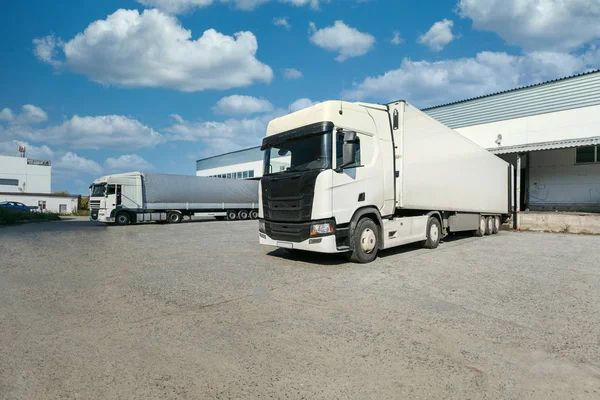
pixel 16 217
pixel 81 213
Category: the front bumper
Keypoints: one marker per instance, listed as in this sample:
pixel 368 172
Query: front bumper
pixel 321 244
pixel 101 216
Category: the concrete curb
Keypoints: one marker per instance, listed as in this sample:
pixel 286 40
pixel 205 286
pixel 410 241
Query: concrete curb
pixel 586 223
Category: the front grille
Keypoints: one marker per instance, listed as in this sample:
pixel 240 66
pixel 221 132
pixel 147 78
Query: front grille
pixel 95 204
pixel 289 232
pixel 289 197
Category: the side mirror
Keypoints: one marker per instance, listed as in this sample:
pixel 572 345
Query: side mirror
pixel 348 150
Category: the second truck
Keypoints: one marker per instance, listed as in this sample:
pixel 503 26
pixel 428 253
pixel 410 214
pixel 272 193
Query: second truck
pixel 356 178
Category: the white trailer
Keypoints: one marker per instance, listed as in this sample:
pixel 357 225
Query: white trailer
pixel 144 196
pixel 364 177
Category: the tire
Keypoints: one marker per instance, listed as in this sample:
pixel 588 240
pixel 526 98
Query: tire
pixel 481 229
pixel 434 233
pixel 242 215
pixel 231 215
pixel 174 217
pixel 253 214
pixel 364 242
pixel 489 225
pixel 123 218
pixel 496 228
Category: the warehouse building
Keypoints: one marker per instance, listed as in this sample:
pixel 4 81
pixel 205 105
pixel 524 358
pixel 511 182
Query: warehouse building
pixel 550 132
pixel 28 181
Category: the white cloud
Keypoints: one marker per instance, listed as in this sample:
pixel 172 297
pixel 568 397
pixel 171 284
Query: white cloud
pixel 29 114
pixel 127 163
pixel 282 22
pixel 556 25
pixel 46 49
pixel 300 104
pixel 292 73
pixel 107 131
pixel 346 41
pixel 7 115
pixel 71 164
pixel 183 6
pixel 242 105
pixel 427 83
pixel 152 49
pixel 438 36
pixel 397 40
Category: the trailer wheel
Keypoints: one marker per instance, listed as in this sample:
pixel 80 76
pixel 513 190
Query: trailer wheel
pixel 243 214
pixel 489 225
pixel 496 228
pixel 174 217
pixel 253 214
pixel 231 215
pixel 364 242
pixel 481 229
pixel 434 233
pixel 122 218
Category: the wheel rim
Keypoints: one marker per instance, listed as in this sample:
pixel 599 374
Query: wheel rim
pixel 122 219
pixel 490 224
pixel 434 233
pixel 497 223
pixel 243 215
pixel 482 224
pixel 231 215
pixel 368 240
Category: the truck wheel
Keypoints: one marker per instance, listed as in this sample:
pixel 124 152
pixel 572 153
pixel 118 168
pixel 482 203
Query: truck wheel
pixel 496 228
pixel 231 215
pixel 174 217
pixel 253 214
pixel 489 225
pixel 122 218
pixel 481 229
pixel 243 214
pixel 364 241
pixel 434 233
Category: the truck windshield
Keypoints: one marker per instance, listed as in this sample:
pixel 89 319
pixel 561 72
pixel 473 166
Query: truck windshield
pixel 303 154
pixel 98 190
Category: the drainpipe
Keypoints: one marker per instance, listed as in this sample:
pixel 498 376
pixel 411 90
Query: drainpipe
pixel 517 222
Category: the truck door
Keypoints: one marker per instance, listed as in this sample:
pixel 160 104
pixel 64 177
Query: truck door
pixel 111 196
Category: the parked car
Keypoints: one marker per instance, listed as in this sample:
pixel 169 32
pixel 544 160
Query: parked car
pixel 14 205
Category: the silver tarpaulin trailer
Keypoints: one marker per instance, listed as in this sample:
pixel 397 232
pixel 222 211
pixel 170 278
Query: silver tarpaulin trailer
pixel 148 196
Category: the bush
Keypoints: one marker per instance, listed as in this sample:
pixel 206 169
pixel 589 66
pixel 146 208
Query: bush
pixel 15 217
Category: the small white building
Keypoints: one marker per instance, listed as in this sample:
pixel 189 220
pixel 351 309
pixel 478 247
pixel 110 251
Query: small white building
pixel 29 181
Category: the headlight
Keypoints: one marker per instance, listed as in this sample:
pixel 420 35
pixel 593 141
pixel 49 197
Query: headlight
pixel 261 226
pixel 321 229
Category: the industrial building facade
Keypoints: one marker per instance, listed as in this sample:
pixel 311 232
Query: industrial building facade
pixel 550 132
pixel 29 181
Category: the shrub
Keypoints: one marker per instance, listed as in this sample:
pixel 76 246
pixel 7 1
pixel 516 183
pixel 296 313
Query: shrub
pixel 15 217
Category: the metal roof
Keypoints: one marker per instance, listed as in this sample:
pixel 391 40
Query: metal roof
pixel 232 158
pixel 575 91
pixel 558 144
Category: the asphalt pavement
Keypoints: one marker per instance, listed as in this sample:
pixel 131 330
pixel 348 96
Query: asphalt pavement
pixel 200 310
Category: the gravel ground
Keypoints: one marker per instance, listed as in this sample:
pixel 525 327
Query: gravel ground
pixel 200 311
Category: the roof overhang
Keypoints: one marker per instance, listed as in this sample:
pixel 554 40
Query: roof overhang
pixel 558 144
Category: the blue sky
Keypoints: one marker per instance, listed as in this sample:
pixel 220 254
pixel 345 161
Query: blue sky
pixel 112 86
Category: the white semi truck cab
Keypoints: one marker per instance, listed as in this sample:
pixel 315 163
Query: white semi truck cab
pixel 356 178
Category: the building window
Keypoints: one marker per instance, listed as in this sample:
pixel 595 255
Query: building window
pixel 228 176
pixel 251 174
pixel 245 174
pixel 586 155
pixel 9 182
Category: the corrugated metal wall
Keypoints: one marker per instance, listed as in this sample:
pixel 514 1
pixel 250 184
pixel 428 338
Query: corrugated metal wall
pixel 569 93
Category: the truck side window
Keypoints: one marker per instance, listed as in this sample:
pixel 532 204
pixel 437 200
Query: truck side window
pixel 339 151
pixel 111 189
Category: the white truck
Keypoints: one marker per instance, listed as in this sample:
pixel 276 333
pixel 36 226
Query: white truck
pixel 356 178
pixel 132 197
